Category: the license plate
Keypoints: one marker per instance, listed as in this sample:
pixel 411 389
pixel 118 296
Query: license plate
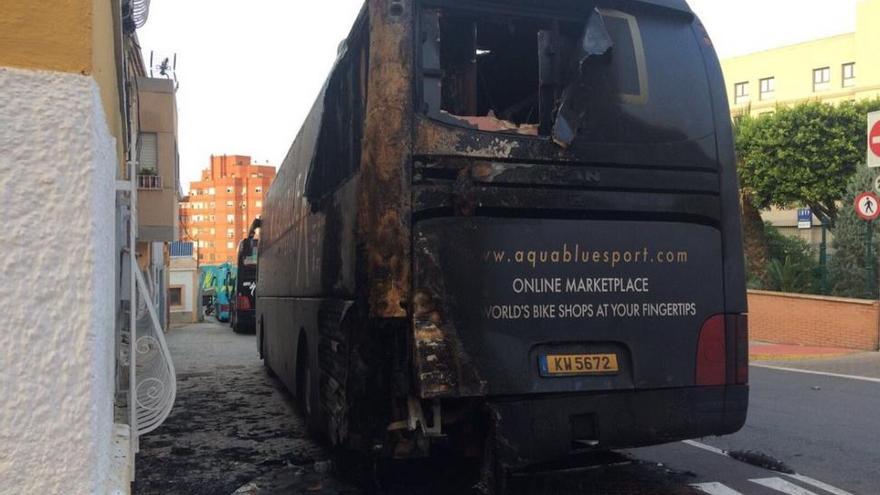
pixel 578 364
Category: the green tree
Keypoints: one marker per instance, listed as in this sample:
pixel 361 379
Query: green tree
pixel 847 270
pixel 803 155
pixel 754 239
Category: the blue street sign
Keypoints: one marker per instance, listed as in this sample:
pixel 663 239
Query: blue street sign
pixel 805 218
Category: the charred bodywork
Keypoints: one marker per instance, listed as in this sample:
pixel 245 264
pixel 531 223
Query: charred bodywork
pixel 470 179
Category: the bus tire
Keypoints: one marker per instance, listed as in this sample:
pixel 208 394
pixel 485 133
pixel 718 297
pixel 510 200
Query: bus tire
pixel 263 354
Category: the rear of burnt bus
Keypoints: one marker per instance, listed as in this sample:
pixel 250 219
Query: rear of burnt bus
pixel 576 235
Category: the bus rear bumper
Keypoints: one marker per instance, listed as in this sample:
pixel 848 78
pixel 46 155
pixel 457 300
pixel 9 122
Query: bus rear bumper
pixel 548 429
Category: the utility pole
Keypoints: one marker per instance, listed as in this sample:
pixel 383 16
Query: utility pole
pixel 868 209
pixel 869 261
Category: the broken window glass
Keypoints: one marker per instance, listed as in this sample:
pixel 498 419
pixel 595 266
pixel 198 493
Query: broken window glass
pixel 595 76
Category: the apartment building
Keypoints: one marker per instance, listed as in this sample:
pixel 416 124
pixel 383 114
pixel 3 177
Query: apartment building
pixel 835 69
pixel 832 69
pixel 158 183
pixel 220 208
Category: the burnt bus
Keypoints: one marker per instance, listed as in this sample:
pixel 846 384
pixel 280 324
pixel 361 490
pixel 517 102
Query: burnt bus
pixel 511 228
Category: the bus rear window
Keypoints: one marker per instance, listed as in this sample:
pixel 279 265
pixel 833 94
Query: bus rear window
pixel 589 76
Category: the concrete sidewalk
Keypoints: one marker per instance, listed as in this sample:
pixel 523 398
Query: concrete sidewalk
pixel 765 351
pixel 817 359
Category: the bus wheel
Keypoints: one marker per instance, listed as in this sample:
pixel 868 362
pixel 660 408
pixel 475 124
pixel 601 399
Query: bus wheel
pixel 263 353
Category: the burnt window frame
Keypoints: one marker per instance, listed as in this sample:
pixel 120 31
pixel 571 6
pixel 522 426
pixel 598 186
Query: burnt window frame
pixel 426 76
pixel 326 172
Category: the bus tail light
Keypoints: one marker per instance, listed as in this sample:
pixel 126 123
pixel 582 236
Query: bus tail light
pixel 742 349
pixel 712 353
pixel 244 304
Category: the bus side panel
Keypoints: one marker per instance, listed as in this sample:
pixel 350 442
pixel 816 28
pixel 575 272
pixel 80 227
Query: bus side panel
pixel 734 262
pixel 283 321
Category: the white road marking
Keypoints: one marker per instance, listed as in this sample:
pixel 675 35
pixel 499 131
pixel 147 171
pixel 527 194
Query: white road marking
pixel 803 479
pixel 715 488
pixel 818 484
pixel 694 443
pixel 820 373
pixel 780 485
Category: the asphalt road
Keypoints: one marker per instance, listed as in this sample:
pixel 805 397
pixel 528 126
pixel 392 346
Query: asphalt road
pixel 234 429
pixel 825 427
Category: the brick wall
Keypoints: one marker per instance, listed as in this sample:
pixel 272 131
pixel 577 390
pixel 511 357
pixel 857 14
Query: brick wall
pixel 814 320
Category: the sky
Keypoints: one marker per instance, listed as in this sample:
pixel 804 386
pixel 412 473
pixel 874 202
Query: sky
pixel 250 71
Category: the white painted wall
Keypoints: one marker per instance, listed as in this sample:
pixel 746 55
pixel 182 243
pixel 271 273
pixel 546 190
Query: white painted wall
pixel 185 279
pixel 57 169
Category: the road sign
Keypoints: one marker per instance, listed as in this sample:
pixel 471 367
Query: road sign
pixel 877 185
pixel 805 218
pixel 874 139
pixel 868 206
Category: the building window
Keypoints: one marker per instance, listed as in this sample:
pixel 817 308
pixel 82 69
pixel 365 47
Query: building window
pixel 230 203
pixel 229 190
pixel 212 191
pixel 148 154
pixel 175 296
pixel 230 245
pixel 244 191
pixel 849 75
pixel 822 79
pixel 259 204
pixel 244 205
pixel 259 189
pixel 768 88
pixel 195 231
pixel 741 93
pixel 213 231
pixel 230 219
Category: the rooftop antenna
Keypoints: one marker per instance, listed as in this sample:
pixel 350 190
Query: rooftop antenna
pixel 166 68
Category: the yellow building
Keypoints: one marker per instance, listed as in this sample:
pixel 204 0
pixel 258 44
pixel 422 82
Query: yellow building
pixel 73 93
pixel 833 70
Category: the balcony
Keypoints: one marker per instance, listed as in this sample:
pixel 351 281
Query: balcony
pixel 149 182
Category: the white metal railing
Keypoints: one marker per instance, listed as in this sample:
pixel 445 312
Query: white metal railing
pixel 151 381
pixel 149 182
pixel 140 12
pixel 155 386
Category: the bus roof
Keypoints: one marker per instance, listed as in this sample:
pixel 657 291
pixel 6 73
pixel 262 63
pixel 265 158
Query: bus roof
pixel 672 4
